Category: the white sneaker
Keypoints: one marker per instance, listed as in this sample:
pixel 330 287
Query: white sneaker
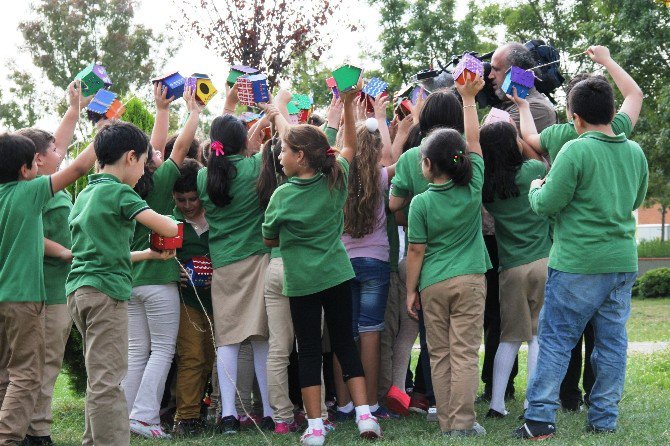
pixel 148 430
pixel 313 437
pixel 369 427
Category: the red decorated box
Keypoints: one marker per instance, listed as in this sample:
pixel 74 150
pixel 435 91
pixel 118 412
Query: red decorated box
pixel 161 243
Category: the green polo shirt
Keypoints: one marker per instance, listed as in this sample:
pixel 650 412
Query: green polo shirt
pixel 408 179
pixel 591 191
pixel 448 220
pixel 102 223
pixel 555 136
pixel 235 230
pixel 194 246
pixel 394 241
pixel 522 235
pixel 156 272
pixel 22 241
pixel 54 216
pixel 308 219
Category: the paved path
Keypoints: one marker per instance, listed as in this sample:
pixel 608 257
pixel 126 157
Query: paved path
pixel 633 347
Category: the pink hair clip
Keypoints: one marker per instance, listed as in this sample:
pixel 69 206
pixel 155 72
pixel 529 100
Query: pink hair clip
pixel 331 152
pixel 217 147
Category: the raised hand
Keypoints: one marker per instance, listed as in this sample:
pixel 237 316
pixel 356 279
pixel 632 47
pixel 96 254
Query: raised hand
pixel 380 104
pixel 193 105
pixel 471 87
pixel 160 96
pixel 75 99
pixel 599 54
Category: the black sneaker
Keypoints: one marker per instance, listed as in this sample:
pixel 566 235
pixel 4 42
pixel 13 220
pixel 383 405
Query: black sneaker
pixel 535 430
pixel 492 413
pixel 229 425
pixel 189 428
pixel 483 398
pixel 267 424
pixel 591 429
pixel 31 440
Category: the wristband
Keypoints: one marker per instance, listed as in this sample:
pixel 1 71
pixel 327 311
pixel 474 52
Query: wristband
pixel 468 106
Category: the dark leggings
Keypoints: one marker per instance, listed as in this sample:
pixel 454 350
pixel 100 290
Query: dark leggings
pixel 306 316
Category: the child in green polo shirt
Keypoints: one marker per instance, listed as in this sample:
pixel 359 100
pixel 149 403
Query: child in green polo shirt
pixel 446 262
pixel 23 198
pixel 305 219
pixel 591 191
pixel 99 284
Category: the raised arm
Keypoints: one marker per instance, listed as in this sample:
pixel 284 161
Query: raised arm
pixel 349 145
pixel 631 92
pixel 185 138
pixel 56 250
pixel 470 118
pixel 527 123
pixel 77 168
pixel 65 131
pixel 231 100
pixel 380 104
pixel 158 223
pixel 159 133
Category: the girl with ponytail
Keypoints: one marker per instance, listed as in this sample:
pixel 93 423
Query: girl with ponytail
pixel 305 219
pixel 446 262
pixel 227 189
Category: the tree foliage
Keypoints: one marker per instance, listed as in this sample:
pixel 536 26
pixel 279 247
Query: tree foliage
pixel 264 34
pixel 20 105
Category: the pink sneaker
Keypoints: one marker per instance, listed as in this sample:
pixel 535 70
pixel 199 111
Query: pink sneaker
pixel 283 428
pixel 368 427
pixel 313 437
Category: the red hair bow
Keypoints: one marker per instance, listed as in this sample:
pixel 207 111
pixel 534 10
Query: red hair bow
pixel 217 147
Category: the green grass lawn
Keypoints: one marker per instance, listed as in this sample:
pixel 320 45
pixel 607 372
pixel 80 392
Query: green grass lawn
pixel 644 419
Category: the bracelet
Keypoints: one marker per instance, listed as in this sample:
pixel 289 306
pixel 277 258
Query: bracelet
pixel 468 106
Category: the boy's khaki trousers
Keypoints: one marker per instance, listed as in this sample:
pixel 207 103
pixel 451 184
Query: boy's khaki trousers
pixel 21 365
pixel 454 314
pixel 103 324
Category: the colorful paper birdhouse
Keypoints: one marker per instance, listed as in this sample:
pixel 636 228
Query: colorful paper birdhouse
pixel 199 270
pixel 203 86
pixel 347 78
pixel 105 104
pixel 305 106
pixel 522 79
pixel 174 82
pixel 468 67
pixel 249 118
pixel 375 87
pixel 404 108
pixel 160 243
pixel 93 78
pixel 496 115
pixel 253 89
pixel 292 108
pixel 417 92
pixel 240 70
pixel 333 86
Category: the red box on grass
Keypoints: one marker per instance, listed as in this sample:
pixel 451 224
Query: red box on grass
pixel 162 243
pixel 398 401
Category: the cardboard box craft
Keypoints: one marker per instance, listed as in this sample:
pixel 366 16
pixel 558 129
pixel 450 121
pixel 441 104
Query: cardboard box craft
pixel 239 70
pixel 203 86
pixel 105 104
pixel 292 108
pixel 496 115
pixel 200 270
pixel 333 87
pixel 93 78
pixel 174 82
pixel 522 79
pixel 468 67
pixel 347 78
pixel 160 243
pixel 375 87
pixel 253 89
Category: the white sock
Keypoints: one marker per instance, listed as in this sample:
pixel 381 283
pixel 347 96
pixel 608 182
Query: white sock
pixel 374 407
pixel 346 408
pixel 502 367
pixel 315 423
pixel 261 349
pixel 361 410
pixel 533 350
pixel 226 366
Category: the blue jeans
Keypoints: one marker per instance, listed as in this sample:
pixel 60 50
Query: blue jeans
pixel 570 301
pixel 369 293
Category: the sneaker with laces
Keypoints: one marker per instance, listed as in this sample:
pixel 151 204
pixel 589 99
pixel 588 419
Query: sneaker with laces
pixel 384 414
pixel 313 437
pixel 188 428
pixel 228 425
pixel 476 430
pixel 145 430
pixel 283 428
pixel 418 403
pixel 368 427
pixel 535 430
pixel 492 413
pixel 248 421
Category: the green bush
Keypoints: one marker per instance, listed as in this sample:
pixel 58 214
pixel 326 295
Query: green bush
pixel 653 248
pixel 654 283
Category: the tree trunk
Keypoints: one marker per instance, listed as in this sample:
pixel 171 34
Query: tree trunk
pixel 663 210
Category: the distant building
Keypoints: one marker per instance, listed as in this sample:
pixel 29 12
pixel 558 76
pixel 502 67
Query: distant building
pixel 649 223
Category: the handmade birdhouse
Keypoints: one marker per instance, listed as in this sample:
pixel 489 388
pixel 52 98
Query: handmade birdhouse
pixel 333 87
pixel 496 115
pixel 93 78
pixel 199 270
pixel 105 105
pixel 522 79
pixel 203 86
pixel 160 243
pixel 467 68
pixel 249 118
pixel 174 82
pixel 404 108
pixel 375 87
pixel 240 70
pixel 305 106
pixel 253 89
pixel 292 108
pixel 347 77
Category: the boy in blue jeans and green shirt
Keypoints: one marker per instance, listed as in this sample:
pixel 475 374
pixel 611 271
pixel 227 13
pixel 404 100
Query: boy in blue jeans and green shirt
pixel 595 183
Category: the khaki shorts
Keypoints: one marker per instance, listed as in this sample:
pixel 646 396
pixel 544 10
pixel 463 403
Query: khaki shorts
pixel 521 299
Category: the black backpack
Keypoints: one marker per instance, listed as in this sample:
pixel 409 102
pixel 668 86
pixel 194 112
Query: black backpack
pixel 550 77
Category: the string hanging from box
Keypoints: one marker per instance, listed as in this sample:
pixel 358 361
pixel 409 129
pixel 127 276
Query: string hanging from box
pixel 556 61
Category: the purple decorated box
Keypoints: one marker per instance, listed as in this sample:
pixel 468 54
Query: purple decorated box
pixel 468 67
pixel 522 79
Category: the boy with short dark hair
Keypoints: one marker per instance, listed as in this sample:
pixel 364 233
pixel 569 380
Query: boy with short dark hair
pixel 595 183
pixel 102 222
pixel 22 295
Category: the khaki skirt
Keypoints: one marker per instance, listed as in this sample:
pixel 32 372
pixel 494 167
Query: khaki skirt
pixel 238 302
